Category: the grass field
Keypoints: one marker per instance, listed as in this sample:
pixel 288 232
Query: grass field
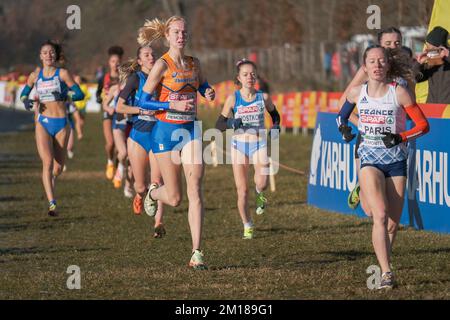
pixel 299 252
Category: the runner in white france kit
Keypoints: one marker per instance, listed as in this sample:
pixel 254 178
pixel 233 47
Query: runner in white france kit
pixel 376 116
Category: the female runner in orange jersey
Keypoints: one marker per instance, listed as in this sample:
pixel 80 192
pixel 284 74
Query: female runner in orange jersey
pixel 176 137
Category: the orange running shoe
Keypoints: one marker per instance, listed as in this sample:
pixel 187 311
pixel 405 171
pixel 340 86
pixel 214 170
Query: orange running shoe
pixel 117 181
pixel 137 204
pixel 109 171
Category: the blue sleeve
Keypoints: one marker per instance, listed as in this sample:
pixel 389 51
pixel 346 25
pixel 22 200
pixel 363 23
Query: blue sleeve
pixel 25 92
pixel 344 114
pixel 75 93
pixel 146 102
pixel 202 89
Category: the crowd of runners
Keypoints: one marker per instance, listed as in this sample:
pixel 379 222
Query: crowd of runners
pixel 147 99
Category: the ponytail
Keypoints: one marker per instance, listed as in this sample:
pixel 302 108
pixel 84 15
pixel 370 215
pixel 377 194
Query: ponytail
pixel 127 68
pixel 155 29
pixel 151 31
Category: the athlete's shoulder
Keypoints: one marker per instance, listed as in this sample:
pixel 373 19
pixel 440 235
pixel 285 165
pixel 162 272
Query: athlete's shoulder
pixel 161 64
pixel 34 75
pixel 354 92
pixel 231 98
pixel 63 72
pixel 403 95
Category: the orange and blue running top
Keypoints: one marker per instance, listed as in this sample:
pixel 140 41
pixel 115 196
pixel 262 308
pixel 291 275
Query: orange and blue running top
pixel 177 85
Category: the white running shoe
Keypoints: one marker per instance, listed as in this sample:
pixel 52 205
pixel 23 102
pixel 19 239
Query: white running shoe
pixel 128 192
pixel 150 205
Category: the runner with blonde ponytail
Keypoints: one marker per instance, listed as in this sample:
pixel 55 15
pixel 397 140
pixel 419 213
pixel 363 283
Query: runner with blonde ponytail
pixel 175 80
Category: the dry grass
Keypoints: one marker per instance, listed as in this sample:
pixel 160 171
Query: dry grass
pixel 299 252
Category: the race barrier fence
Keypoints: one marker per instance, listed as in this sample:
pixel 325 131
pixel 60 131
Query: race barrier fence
pixel 427 198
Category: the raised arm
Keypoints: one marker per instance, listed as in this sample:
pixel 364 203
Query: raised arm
pixel 359 79
pixel 225 120
pixel 204 89
pixel 270 107
pixel 75 92
pixel 28 103
pixel 421 125
pixel 345 113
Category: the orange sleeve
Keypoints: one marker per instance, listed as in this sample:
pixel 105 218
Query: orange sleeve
pixel 421 123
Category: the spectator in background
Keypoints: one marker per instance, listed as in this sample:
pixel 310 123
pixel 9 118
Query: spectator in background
pixel 434 66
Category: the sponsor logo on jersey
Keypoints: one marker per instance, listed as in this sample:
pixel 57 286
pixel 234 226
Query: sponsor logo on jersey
pixel 248 109
pixel 364 100
pixel 373 119
pixel 390 120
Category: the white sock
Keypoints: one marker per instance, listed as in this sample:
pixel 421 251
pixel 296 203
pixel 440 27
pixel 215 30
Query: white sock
pixel 120 168
pixel 110 161
pixel 248 224
pixel 257 191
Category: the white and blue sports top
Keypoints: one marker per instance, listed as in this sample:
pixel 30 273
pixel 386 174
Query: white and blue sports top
pixel 376 116
pixel 251 113
pixel 46 86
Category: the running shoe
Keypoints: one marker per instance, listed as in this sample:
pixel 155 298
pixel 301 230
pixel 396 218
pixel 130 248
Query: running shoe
pixel 353 197
pixel 197 262
pixel 159 231
pixel 128 192
pixel 387 280
pixel 260 203
pixel 117 181
pixel 109 171
pixel 248 233
pixel 137 204
pixel 150 205
pixel 52 208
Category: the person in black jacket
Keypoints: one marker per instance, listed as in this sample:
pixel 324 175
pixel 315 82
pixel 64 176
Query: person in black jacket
pixel 434 66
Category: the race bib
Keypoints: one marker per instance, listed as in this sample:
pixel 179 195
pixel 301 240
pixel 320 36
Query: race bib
pixel 45 89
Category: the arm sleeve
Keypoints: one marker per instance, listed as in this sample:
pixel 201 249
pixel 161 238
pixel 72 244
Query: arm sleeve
pixel 25 92
pixel 344 113
pixel 146 102
pixel 202 89
pixel 421 123
pixel 275 116
pixel 221 123
pixel 131 86
pixel 75 93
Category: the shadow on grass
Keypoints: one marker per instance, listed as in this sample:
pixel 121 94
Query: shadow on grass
pixel 349 254
pixel 40 250
pixel 50 223
pixel 431 251
pixel 10 198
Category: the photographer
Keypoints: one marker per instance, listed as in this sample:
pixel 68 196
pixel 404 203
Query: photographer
pixel 434 66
